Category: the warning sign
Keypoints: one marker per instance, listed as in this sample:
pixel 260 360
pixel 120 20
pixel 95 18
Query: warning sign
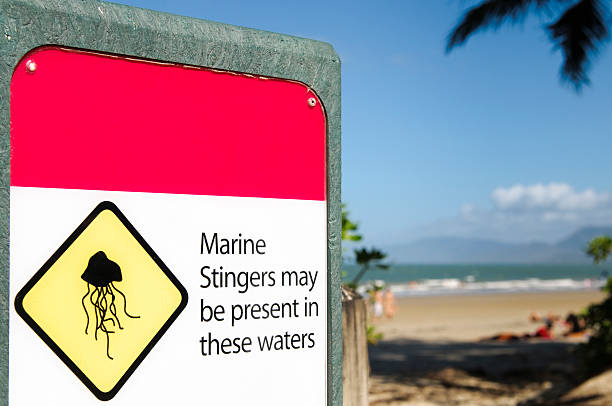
pixel 218 189
pixel 102 301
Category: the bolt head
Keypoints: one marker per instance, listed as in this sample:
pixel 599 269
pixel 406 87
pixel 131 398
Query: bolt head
pixel 312 102
pixel 31 66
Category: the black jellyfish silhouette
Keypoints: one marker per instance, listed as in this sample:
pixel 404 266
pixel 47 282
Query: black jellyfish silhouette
pixel 101 273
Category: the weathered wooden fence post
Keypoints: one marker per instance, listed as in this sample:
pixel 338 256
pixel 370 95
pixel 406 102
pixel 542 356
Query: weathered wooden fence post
pixel 355 365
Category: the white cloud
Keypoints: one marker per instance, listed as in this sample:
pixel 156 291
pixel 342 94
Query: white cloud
pixel 553 196
pixel 538 212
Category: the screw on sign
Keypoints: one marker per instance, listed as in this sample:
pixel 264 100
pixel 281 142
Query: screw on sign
pixel 101 272
pixel 31 66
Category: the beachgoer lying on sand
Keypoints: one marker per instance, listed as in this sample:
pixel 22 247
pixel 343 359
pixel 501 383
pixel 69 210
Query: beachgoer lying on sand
pixel 551 317
pixel 575 326
pixel 543 332
pixel 535 317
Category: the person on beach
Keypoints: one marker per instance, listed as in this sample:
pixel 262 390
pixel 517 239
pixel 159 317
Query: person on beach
pixel 535 317
pixel 575 326
pixel 389 304
pixel 378 305
pixel 543 332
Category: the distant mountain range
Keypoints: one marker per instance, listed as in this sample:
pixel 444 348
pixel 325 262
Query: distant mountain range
pixel 441 250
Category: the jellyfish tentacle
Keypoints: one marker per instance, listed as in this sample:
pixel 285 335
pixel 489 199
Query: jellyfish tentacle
pixel 84 308
pixel 113 308
pixel 95 305
pixel 104 309
pixel 100 310
pixel 108 344
pixel 109 308
pixel 124 302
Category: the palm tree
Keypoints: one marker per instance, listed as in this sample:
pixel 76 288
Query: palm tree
pixel 599 248
pixel 366 259
pixel 579 30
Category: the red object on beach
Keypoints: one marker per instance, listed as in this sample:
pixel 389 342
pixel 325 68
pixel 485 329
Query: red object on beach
pixel 543 332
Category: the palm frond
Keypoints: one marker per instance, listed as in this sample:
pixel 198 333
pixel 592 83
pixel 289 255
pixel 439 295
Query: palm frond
pixel 579 32
pixel 489 13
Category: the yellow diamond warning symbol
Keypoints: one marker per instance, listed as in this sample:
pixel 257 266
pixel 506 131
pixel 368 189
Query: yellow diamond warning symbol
pixel 102 301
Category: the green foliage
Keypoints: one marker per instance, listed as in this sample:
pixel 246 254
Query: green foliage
pixel 580 28
pixel 364 257
pixel 349 229
pixel 373 288
pixel 599 248
pixel 608 287
pixel 350 285
pixel 373 336
pixel 597 352
pixel 367 259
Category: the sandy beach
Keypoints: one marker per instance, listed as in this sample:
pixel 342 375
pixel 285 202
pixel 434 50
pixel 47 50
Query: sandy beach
pixel 468 318
pixel 432 354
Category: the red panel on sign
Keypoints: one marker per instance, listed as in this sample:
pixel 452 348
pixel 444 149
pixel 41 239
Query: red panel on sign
pixel 82 120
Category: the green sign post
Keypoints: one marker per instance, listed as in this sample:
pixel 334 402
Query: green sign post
pixel 34 34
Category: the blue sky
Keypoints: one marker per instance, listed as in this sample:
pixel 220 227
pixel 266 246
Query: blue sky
pixel 483 142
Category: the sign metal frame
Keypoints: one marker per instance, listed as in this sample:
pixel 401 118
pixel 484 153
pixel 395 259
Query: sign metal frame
pixel 134 32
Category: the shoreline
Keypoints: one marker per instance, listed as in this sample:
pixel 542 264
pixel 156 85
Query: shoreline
pixel 454 286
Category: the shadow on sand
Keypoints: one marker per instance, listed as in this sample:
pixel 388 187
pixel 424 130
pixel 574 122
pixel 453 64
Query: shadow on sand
pixel 523 373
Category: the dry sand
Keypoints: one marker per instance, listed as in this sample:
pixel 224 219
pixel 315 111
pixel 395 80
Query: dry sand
pixel 431 353
pixel 468 318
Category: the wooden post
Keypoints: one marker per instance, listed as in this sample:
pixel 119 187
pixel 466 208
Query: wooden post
pixel 355 365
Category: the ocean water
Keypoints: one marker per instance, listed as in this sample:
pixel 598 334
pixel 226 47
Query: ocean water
pixel 419 280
